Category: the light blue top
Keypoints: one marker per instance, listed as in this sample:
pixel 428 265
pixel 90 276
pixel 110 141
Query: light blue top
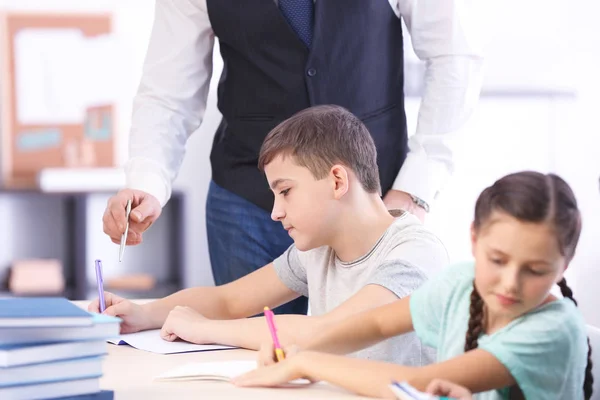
pixel 544 350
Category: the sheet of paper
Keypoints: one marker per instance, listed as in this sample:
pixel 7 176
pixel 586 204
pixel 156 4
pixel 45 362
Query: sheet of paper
pixel 218 370
pixel 152 342
pixel 61 72
pixel 39 55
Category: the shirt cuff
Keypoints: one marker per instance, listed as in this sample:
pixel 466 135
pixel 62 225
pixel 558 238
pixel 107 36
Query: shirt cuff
pixel 421 177
pixel 149 177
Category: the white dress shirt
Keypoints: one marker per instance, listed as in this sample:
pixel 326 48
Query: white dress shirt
pixel 173 91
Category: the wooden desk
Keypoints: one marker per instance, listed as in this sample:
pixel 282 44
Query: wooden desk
pixel 130 373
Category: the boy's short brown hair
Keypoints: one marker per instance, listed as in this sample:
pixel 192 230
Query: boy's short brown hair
pixel 320 137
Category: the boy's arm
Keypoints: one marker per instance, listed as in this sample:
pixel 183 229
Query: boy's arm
pixel 242 298
pixel 250 333
pixel 375 313
pixel 288 272
pixel 476 370
pixel 369 317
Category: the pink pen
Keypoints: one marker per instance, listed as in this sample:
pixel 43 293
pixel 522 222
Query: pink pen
pixel 271 322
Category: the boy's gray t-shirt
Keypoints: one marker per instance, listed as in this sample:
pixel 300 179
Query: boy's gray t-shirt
pixel 405 256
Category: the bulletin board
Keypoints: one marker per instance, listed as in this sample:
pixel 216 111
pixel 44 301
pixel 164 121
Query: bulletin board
pixel 55 108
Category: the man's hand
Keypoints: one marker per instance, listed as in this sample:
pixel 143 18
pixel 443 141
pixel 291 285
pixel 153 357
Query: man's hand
pixel 396 199
pixel 145 209
pixel 184 323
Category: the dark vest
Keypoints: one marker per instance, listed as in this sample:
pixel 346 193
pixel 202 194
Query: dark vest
pixel 356 61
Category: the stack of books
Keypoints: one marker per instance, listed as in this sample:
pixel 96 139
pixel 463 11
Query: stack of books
pixel 50 348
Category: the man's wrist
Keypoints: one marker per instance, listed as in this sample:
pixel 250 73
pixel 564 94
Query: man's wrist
pixel 148 177
pixel 419 202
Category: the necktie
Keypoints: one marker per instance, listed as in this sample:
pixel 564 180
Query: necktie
pixel 300 15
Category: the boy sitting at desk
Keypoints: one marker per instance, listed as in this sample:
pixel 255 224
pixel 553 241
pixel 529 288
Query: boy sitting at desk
pixel 349 254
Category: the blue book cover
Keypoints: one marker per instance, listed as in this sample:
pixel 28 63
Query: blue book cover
pixel 52 390
pixel 23 312
pixel 25 354
pixel 57 371
pixel 103 327
pixel 101 395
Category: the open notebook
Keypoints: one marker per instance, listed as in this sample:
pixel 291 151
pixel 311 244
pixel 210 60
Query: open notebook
pixel 215 371
pixel 152 342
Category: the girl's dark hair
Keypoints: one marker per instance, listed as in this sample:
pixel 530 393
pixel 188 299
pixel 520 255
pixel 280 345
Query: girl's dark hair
pixel 531 197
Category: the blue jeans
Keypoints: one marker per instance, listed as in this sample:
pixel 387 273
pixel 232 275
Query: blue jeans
pixel 242 237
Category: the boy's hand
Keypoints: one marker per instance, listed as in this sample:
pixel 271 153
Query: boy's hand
pixel 184 323
pixel 135 317
pixel 439 387
pixel 266 354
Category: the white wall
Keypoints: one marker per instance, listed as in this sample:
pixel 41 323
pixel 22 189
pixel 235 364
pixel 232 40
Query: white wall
pixel 577 138
pixel 535 46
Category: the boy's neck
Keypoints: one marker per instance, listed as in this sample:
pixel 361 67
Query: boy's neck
pixel 360 228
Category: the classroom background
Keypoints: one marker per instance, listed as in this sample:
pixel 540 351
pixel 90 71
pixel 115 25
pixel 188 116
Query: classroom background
pixel 69 69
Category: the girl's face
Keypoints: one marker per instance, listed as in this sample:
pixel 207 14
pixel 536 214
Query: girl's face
pixel 516 265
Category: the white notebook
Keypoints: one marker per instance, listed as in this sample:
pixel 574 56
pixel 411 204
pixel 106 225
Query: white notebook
pixel 152 342
pixel 215 371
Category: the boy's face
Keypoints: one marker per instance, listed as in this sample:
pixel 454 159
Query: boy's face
pixel 305 206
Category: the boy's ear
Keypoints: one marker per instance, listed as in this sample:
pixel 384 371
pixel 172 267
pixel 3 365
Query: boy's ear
pixel 339 178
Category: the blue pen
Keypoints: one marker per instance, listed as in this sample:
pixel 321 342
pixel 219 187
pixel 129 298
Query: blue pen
pixel 404 391
pixel 100 283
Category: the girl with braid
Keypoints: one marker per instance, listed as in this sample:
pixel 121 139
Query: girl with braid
pixel 498 330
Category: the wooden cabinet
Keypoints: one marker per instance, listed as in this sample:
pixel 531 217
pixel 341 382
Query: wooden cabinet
pixel 68 227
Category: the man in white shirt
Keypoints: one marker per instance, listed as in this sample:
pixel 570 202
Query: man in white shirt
pixel 281 56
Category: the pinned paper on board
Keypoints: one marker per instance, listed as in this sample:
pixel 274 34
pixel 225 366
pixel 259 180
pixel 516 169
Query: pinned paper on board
pixel 59 74
pixel 60 82
pixel 98 124
pixel 40 139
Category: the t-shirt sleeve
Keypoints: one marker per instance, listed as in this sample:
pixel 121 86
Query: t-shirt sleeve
pixel 546 352
pixel 291 270
pixel 430 302
pixel 398 277
pixel 409 265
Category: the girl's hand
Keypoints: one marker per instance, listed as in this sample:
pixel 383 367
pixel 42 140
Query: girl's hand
pixel 273 375
pixel 267 357
pixel 439 387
